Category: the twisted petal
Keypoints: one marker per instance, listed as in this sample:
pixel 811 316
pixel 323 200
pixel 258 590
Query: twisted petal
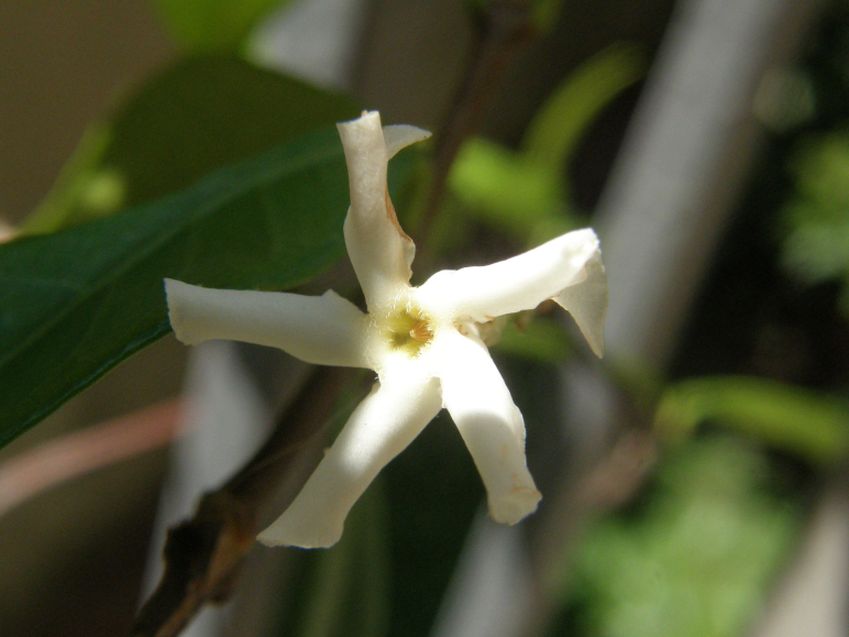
pixel 586 301
pixel 399 136
pixel 379 429
pixel 326 330
pixel 380 251
pixel 524 281
pixel 489 422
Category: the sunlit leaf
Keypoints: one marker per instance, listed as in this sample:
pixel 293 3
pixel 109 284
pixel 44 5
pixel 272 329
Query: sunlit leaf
pixel 524 193
pixel 816 219
pixel 555 130
pixel 75 303
pixel 196 116
pixel 519 197
pixel 811 424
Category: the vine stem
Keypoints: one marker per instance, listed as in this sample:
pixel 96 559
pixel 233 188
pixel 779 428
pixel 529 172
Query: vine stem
pixel 501 29
pixel 203 556
pixel 35 471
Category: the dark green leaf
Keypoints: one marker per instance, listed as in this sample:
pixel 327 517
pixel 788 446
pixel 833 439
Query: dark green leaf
pixel 198 115
pixel 214 25
pixel 75 303
pixel 346 588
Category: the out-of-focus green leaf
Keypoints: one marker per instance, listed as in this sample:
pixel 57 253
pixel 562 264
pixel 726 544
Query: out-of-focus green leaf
pixel 816 220
pixel 349 587
pixel 544 14
pixel 698 556
pixel 524 193
pixel 519 197
pixel 198 115
pixel 556 129
pixel 214 25
pixel 540 340
pixel 75 303
pixel 433 491
pixel 810 424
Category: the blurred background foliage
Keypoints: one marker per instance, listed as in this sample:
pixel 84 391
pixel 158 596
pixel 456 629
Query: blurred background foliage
pixel 751 421
pixel 695 557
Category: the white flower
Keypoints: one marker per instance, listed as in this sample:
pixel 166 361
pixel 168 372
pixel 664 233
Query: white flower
pixel 423 342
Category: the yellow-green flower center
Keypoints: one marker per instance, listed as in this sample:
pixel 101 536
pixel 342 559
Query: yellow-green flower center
pixel 408 330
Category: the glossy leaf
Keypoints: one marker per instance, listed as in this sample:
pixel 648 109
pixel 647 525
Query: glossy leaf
pixel 198 115
pixel 75 303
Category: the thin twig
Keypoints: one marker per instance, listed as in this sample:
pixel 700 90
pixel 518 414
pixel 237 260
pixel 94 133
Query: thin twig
pixel 203 556
pixel 56 461
pixel 505 24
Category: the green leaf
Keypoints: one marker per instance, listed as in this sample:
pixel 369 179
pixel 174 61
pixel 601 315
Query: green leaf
pixel 556 129
pixel 75 303
pixel 525 193
pixel 519 197
pixel 214 25
pixel 348 591
pixel 538 339
pixel 695 557
pixel 810 424
pixel 198 115
pixel 815 222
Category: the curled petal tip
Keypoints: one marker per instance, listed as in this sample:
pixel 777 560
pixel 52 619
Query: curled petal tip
pixel 514 506
pixel 399 136
pixel 586 301
pixel 174 292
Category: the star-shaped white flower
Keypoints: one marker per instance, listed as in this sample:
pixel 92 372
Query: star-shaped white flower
pixel 423 342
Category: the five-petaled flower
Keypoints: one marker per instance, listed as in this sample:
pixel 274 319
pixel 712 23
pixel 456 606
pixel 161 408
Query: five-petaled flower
pixel 423 342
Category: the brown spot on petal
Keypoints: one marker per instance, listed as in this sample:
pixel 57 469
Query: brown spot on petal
pixel 393 217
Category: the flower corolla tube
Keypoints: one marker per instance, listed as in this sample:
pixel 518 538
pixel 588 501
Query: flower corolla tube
pixel 424 343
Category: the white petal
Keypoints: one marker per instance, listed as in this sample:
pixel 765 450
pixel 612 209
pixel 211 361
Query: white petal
pixel 491 425
pixel 326 330
pixel 380 251
pixel 379 429
pixel 399 136
pixel 586 301
pixel 523 282
pixel 520 283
